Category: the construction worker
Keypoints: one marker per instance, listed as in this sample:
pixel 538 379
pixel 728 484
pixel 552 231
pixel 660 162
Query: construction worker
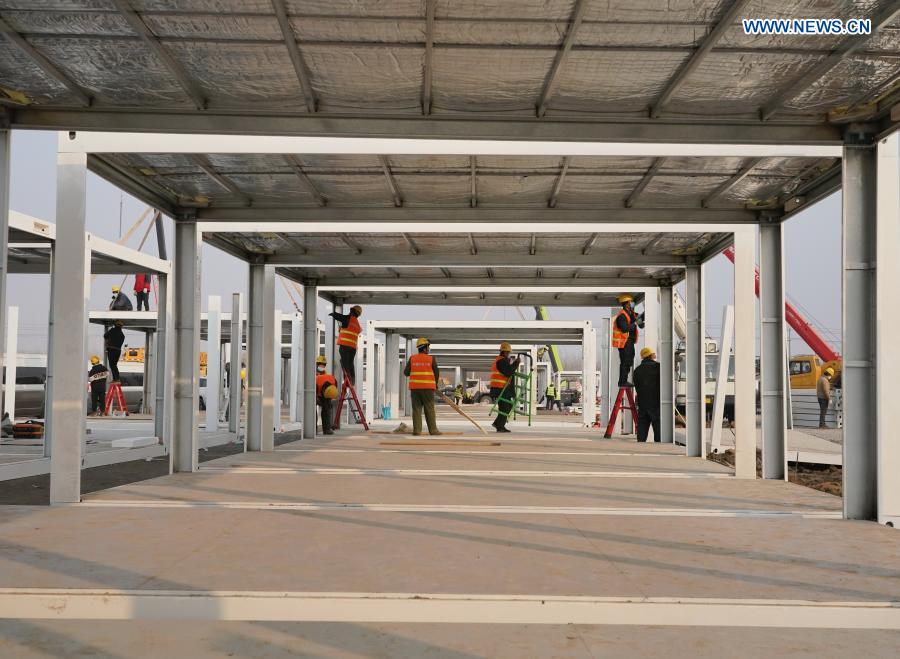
pixel 423 373
pixel 458 393
pixel 114 338
pixel 326 391
pixel 120 301
pixel 348 339
pixel 625 335
pixel 97 382
pixel 550 395
pixel 142 291
pixel 646 386
pixel 823 393
pixel 502 385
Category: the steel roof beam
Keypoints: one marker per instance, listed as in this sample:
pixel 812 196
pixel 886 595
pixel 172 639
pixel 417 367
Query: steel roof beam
pixel 639 188
pixel 294 162
pixel 809 193
pixel 748 166
pixel 446 273
pixel 557 187
pixel 532 248
pixel 711 133
pixel 473 179
pixel 342 280
pixel 589 245
pixel 413 247
pixel 191 88
pixel 652 243
pixel 456 215
pixel 847 48
pixel 499 259
pixel 203 163
pixel 44 64
pixel 350 243
pixel 560 59
pixel 139 186
pixel 473 247
pixel 229 247
pixel 675 83
pixel 389 178
pixel 290 40
pixel 428 73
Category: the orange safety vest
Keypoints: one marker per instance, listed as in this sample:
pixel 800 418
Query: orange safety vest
pixel 349 336
pixel 322 381
pixel 620 338
pixel 421 372
pixel 498 380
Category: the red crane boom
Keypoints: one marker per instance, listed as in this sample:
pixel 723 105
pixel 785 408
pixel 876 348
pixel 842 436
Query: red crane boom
pixel 800 325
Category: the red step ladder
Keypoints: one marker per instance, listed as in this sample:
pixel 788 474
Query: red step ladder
pixel 114 397
pixel 620 405
pixel 348 393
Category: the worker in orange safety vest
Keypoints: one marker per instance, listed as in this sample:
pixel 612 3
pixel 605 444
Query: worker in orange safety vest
pixel 423 373
pixel 348 339
pixel 326 391
pixel 625 335
pixel 502 384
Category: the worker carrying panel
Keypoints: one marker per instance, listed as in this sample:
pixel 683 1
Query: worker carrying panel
pixel 421 372
pixel 349 336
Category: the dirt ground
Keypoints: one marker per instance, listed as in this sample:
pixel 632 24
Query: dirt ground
pixel 827 478
pixel 35 490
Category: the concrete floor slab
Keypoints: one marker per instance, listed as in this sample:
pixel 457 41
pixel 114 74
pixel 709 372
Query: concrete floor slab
pixel 276 640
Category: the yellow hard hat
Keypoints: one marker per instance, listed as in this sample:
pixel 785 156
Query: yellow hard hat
pixel 625 297
pixel 330 392
pixel 505 347
pixel 356 309
pixel 646 352
pixel 829 371
pixel 321 359
pixel 95 360
pixel 116 289
pixel 422 341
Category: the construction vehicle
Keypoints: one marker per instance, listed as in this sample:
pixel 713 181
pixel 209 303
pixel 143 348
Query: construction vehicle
pixel 805 370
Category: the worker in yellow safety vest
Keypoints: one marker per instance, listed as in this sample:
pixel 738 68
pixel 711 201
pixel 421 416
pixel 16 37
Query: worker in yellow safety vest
pixel 625 335
pixel 326 391
pixel 348 339
pixel 502 384
pixel 423 373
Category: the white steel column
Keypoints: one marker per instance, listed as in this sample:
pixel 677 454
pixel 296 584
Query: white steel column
pixel 651 323
pixel 277 367
pixel 773 366
pixel 887 320
pixel 294 404
pixel 234 371
pixel 12 353
pixel 213 343
pixel 457 375
pixel 368 376
pixel 859 311
pixel 744 354
pixel 162 380
pixel 605 371
pixel 695 356
pixel 331 349
pixel 187 346
pixel 666 356
pixel 147 385
pixel 48 384
pixel 268 394
pixel 310 352
pixel 588 375
pixel 407 397
pixel 5 147
pixel 72 292
pixel 392 372
pixel 255 355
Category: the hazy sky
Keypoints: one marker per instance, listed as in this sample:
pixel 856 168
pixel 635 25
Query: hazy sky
pixel 812 259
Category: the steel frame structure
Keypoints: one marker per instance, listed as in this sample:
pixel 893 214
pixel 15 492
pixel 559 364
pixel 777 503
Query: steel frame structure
pixel 582 332
pixel 73 159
